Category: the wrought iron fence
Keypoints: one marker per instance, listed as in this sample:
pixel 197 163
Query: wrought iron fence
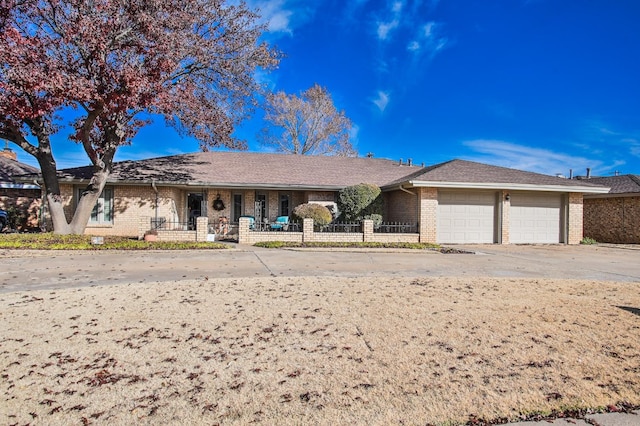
pixel 339 227
pixel 396 228
pixel 162 224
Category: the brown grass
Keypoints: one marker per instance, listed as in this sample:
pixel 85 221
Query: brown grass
pixel 317 351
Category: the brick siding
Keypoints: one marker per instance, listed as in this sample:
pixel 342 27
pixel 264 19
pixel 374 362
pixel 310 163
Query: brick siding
pixel 428 214
pixel 613 220
pixel 575 218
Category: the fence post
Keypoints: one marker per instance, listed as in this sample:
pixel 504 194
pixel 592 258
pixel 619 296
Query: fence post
pixel 143 226
pixel 243 231
pixel 202 228
pixel 367 230
pixel 307 229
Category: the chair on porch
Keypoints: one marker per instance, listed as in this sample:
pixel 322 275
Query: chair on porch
pixel 281 223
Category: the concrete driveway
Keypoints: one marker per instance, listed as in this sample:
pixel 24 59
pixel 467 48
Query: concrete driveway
pixel 31 270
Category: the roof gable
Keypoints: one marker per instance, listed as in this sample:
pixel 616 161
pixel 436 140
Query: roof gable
pixel 465 172
pixel 623 184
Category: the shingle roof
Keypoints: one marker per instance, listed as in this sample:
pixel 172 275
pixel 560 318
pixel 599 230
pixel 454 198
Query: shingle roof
pixel 254 169
pixel 623 184
pixel 10 168
pixel 463 171
pixel 247 169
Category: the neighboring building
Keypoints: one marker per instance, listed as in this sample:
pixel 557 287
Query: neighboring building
pixel 614 217
pixel 22 200
pixel 453 202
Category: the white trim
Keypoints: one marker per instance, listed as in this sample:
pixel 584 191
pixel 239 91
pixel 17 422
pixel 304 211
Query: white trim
pixel 511 186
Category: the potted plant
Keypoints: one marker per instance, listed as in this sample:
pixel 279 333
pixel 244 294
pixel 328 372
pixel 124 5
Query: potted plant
pixel 151 235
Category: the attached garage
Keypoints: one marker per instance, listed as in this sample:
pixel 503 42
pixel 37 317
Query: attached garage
pixel 535 218
pixel 465 217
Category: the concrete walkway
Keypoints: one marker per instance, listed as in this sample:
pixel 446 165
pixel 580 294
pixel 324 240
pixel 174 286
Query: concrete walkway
pixel 31 270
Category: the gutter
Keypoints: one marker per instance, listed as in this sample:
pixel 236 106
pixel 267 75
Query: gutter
pixel 512 186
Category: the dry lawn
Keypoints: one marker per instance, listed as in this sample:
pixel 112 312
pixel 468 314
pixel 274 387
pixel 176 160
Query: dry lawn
pixel 317 351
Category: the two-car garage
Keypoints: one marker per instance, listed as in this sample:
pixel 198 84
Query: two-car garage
pixel 465 217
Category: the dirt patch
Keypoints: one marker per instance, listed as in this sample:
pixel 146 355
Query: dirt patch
pixel 317 351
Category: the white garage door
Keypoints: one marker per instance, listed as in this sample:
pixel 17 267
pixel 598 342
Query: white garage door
pixel 465 217
pixel 534 218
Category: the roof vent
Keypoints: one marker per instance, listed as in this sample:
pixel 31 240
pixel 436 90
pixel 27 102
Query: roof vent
pixel 400 163
pixel 409 161
pixel 588 173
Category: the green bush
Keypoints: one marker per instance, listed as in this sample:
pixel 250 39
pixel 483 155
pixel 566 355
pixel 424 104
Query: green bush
pixel 588 241
pixel 320 214
pixel 376 218
pixel 357 201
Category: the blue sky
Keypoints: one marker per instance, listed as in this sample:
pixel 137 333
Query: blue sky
pixel 539 85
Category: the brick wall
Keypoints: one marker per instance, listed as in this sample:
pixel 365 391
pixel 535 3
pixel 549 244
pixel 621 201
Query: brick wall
pixel 400 206
pixel 613 220
pixel 428 214
pixel 575 218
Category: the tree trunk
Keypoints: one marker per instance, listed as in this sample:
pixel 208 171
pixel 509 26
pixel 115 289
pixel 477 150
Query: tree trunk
pixel 85 204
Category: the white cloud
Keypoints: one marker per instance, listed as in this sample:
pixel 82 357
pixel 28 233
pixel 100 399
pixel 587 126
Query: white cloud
pixel 413 46
pixel 397 7
pixel 382 100
pixel 429 39
pixel 354 133
pixel 384 28
pixel 282 16
pixel 539 160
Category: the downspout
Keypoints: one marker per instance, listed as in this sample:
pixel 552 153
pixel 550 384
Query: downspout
pixel 155 189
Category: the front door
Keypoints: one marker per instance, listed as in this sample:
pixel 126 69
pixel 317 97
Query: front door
pixel 195 208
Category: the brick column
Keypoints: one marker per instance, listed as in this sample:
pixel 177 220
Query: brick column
pixel 575 218
pixel 143 226
pixel 244 236
pixel 505 219
pixel 307 229
pixel 202 228
pixel 367 229
pixel 427 213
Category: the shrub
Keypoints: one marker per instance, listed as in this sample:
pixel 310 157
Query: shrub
pixel 376 218
pixel 588 241
pixel 320 214
pixel 357 201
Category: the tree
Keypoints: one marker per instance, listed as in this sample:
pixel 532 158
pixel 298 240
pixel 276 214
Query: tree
pixel 362 201
pixel 308 124
pixel 192 61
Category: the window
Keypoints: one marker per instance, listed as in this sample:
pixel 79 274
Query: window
pixel 102 212
pixel 284 205
pixel 236 208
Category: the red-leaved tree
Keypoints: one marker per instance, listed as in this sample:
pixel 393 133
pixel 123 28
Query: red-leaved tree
pixel 192 61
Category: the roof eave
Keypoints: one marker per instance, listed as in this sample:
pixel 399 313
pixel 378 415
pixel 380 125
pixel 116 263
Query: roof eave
pixel 510 186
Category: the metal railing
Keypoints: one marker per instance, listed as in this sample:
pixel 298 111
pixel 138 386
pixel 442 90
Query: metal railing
pixel 162 224
pixel 339 227
pixel 396 228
